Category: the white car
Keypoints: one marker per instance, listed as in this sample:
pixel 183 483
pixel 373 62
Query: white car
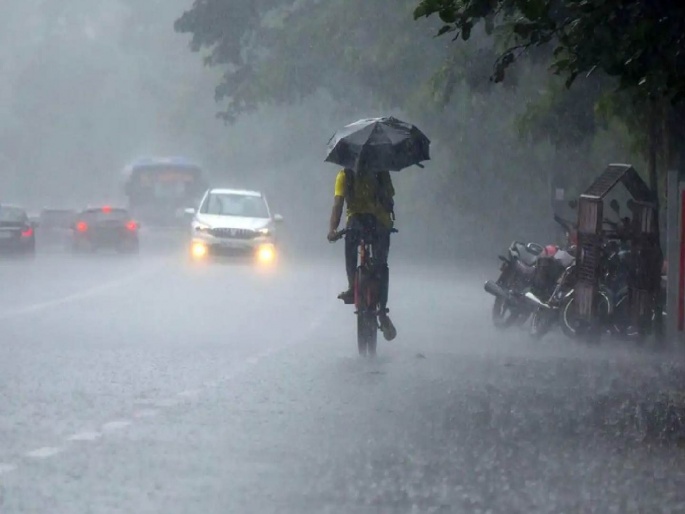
pixel 233 222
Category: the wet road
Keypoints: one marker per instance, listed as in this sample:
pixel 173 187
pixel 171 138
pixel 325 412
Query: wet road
pixel 140 385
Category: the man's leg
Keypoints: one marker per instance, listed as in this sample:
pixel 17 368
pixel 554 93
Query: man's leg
pixel 351 243
pixel 350 258
pixel 381 251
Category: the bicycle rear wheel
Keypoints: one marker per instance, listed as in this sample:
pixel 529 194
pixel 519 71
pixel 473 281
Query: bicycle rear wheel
pixel 367 324
pixel 574 328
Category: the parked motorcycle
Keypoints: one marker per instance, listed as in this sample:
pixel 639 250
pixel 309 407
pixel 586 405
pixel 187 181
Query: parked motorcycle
pixel 546 283
pixel 549 310
pixel 516 275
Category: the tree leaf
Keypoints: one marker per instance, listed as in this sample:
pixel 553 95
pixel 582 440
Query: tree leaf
pixel 444 30
pixel 533 9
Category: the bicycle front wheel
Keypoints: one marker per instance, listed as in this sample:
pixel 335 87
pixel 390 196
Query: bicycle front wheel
pixel 367 323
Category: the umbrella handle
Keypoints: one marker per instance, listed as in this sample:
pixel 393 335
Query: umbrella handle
pixel 420 165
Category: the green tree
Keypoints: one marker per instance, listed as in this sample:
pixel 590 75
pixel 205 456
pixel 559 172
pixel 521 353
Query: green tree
pixel 372 58
pixel 640 44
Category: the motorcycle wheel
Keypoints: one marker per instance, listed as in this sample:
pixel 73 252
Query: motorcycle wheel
pixel 541 323
pixel 503 315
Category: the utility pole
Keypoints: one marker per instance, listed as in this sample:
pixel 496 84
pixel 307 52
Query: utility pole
pixel 676 159
pixel 654 186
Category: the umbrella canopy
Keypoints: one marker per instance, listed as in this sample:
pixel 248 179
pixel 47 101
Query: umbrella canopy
pixel 378 144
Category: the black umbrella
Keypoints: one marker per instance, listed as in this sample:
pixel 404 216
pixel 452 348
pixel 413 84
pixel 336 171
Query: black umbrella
pixel 378 144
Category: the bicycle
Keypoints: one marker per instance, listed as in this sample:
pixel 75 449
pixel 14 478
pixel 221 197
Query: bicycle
pixel 366 290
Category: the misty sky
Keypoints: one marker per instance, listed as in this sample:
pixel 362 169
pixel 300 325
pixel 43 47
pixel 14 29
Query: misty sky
pixel 91 84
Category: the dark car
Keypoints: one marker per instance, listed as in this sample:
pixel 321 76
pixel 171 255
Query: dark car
pixel 54 227
pixel 17 233
pixel 104 228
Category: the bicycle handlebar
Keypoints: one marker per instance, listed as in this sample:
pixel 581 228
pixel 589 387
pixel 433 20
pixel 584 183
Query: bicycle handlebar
pixel 338 235
pixel 341 233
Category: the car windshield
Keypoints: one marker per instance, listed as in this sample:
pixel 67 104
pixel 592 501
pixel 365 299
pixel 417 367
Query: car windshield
pixel 12 214
pixel 169 190
pixel 235 204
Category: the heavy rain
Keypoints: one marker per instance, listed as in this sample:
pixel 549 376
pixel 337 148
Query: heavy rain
pixel 292 256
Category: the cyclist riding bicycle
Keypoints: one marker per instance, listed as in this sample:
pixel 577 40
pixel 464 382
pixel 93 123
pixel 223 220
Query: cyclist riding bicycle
pixel 370 206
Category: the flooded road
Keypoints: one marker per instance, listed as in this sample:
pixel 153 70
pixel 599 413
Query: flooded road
pixel 146 385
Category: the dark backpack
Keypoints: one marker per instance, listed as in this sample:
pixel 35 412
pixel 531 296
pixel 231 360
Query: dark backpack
pixel 380 193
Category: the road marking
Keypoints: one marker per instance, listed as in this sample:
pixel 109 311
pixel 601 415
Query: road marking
pixel 45 452
pixel 312 327
pixel 74 297
pixel 115 425
pixel 6 468
pixel 145 413
pixel 112 426
pixel 85 436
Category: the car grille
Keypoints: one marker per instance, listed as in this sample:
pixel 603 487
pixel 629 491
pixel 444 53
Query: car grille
pixel 219 251
pixel 233 233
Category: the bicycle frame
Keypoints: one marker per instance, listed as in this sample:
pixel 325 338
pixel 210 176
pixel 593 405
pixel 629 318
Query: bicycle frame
pixel 366 265
pixel 367 285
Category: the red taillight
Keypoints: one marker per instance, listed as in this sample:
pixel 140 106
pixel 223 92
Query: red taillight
pixel 81 226
pixel 106 209
pixel 27 232
pixel 132 226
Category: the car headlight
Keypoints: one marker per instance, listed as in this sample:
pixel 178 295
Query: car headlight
pixel 202 228
pixel 198 250
pixel 264 231
pixel 266 253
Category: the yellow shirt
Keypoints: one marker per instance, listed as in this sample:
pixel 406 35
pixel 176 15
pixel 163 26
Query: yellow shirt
pixel 364 200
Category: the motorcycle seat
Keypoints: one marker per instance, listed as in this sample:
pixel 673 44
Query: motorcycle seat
pixel 524 269
pixel 526 256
